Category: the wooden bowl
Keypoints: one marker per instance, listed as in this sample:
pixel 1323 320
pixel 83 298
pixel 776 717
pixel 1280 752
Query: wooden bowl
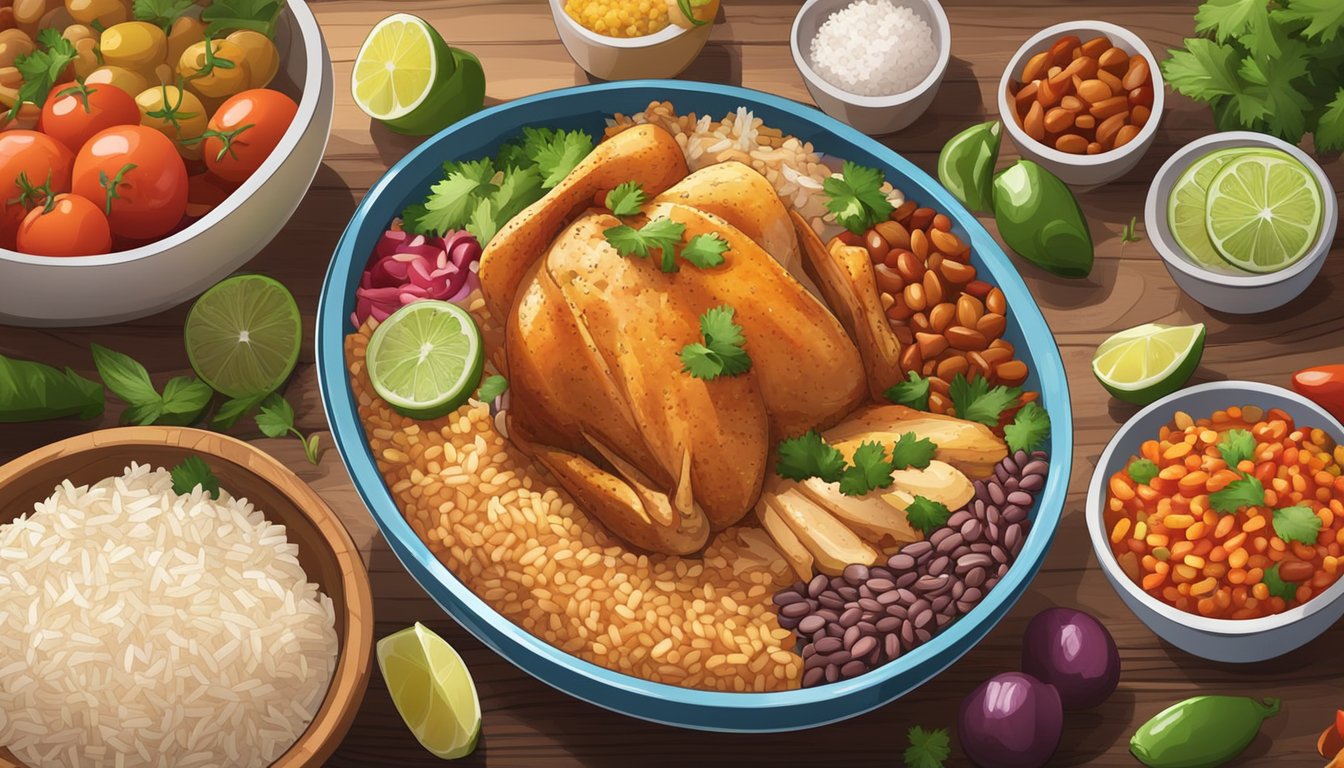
pixel 327 553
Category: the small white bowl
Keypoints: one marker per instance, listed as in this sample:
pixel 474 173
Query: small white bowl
pixel 665 53
pixel 1082 170
pixel 1231 640
pixel 98 290
pixel 870 114
pixel 1244 293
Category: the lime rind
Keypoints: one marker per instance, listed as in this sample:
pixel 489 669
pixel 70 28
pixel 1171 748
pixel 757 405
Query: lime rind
pixel 398 66
pixel 1264 211
pixel 1186 209
pixel 1149 361
pixel 433 691
pixel 243 336
pixel 426 359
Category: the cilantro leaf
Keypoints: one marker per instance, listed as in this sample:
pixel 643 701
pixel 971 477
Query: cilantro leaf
pixel 700 362
pixel 1298 524
pixel 183 401
pixel 185 398
pixel 1325 18
pixel 556 153
pixel 661 235
pixel 222 16
pixel 492 388
pixel 1204 70
pixel 42 68
pixel 975 400
pixel 193 471
pixel 927 515
pixel 1236 445
pixel 161 12
pixel 869 470
pixel 911 451
pixel 807 456
pixel 928 749
pixel 1277 586
pixel 276 419
pixel 1029 430
pixel 1273 88
pixel 1246 492
pixel 482 222
pixel 626 199
pixel 912 393
pixel 124 376
pixel 519 189
pixel 1330 128
pixel 856 198
pixel 234 409
pixel 452 201
pixel 1228 19
pixel 1142 471
pixel 722 353
pixel 705 250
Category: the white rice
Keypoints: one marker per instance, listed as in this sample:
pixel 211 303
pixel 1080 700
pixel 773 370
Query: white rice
pixel 139 627
pixel 874 48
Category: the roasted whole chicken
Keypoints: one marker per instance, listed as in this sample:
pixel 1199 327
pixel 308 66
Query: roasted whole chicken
pixel 597 388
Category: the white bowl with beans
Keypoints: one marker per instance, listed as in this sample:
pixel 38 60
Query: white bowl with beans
pixel 1127 138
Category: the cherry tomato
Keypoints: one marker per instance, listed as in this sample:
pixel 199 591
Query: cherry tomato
pixel 245 130
pixel 177 114
pixel 69 225
pixel 214 68
pixel 263 60
pixel 76 111
pixel 205 191
pixel 1323 384
pixel 135 174
pixel 37 158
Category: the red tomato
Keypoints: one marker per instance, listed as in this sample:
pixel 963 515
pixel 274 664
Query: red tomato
pixel 37 158
pixel 69 226
pixel 205 191
pixel 245 130
pixel 134 172
pixel 1324 384
pixel 75 112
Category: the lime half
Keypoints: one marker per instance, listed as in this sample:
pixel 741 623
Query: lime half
pixel 426 359
pixel 1149 361
pixel 433 691
pixel 243 336
pixel 406 76
pixel 1264 211
pixel 1187 209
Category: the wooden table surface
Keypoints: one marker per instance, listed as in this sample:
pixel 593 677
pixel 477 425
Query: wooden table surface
pixel 528 723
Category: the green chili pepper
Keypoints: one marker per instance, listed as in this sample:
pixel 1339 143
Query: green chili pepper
pixel 966 165
pixel 1040 219
pixel 1202 732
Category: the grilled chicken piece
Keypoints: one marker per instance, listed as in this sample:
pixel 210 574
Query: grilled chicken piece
pixel 832 544
pixel 967 445
pixel 938 482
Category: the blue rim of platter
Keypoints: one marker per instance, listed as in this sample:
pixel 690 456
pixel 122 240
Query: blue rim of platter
pixel 585 107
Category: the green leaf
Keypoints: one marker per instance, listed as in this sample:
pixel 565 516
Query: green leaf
pixel 1029 430
pixel 661 235
pixel 626 199
pixel 1278 587
pixel 482 224
pixel 856 198
pixel 721 354
pixel 705 251
pixel 809 456
pixel 1324 18
pixel 1246 492
pixel 1142 471
pixel 124 376
pixel 975 400
pixel 492 388
pixel 1246 19
pixel 276 418
pixel 142 414
pixel 912 393
pixel 869 470
pixel 193 471
pixel 928 749
pixel 1204 70
pixel 161 12
pixel 1236 445
pixel 222 16
pixel 185 398
pixel 32 391
pixel 1330 128
pixel 452 201
pixel 910 450
pixel 1298 524
pixel 1272 80
pixel 927 515
pixel 234 409
pixel 560 153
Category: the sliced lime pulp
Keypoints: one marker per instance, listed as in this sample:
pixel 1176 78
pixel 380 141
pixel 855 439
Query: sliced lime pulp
pixel 243 335
pixel 432 690
pixel 1150 361
pixel 1264 211
pixel 1186 209
pixel 406 76
pixel 426 359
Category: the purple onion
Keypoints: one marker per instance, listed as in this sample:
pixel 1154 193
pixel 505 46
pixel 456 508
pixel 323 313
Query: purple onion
pixel 1011 721
pixel 406 268
pixel 1073 652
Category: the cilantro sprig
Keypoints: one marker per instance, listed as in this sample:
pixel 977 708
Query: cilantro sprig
pixel 1029 430
pixel 1247 491
pixel 161 13
pixel 927 515
pixel 625 199
pixel 1298 524
pixel 856 197
pixel 661 235
pixel 722 352
pixel 42 68
pixel 912 393
pixel 1277 586
pixel 928 749
pixel 705 250
pixel 808 455
pixel 1236 446
pixel 183 401
pixel 974 400
pixel 276 419
pixel 869 468
pixel 223 16
pixel 191 472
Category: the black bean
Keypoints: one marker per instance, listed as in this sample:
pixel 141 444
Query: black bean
pixel 974 578
pixel 817 584
pixel 869 604
pixel 829 599
pixel 1020 498
pixel 901 562
pixel 832 673
pixel 850 617
pixel 996 494
pixel 949 542
pixel 852 636
pixel 813 677
pixel 906 579
pixel 853 669
pixel 795 610
pixel 811 624
pixel 856 574
pixel 891 646
pixel 787 597
pixel 864 646
pixel 881 585
pixel 888 624
pixel 971 530
pixel 939 566
pixel 1032 483
pixel 828 645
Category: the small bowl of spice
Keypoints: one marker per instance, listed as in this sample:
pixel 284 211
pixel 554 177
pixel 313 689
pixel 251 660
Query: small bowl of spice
pixel 1083 99
pixel 634 39
pixel 874 64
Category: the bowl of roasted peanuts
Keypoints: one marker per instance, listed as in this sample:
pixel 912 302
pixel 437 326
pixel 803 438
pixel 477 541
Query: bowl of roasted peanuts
pixel 1083 99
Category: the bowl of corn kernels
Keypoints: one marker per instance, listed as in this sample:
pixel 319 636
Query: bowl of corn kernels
pixel 1217 514
pixel 634 39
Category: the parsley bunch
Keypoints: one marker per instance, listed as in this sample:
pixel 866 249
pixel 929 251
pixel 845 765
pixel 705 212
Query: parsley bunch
pixel 1271 66
pixel 809 455
pixel 42 68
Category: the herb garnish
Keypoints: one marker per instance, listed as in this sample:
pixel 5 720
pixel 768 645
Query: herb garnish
pixel 193 471
pixel 161 13
pixel 1236 446
pixel 1298 524
pixel 927 515
pixel 1029 430
pixel 277 420
pixel 492 388
pixel 183 401
pixel 231 15
pixel 721 354
pixel 1246 492
pixel 41 68
pixel 661 235
pixel 1142 471
pixel 912 393
pixel 626 199
pixel 856 198
pixel 705 250
pixel 928 749
pixel 975 400
pixel 808 455
pixel 1277 586
pixel 32 391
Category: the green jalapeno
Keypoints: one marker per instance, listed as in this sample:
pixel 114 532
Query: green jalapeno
pixel 1202 732
pixel 966 166
pixel 1040 219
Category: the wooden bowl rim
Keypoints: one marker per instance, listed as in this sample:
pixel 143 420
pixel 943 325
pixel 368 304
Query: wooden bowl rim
pixel 350 678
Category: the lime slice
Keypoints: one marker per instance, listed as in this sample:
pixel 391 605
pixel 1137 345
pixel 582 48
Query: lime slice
pixel 433 691
pixel 406 76
pixel 426 359
pixel 243 336
pixel 1149 361
pixel 1187 206
pixel 1264 211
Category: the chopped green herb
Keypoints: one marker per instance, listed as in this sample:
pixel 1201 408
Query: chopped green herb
pixel 234 409
pixel 661 235
pixel 555 152
pixel 910 450
pixel 705 250
pixel 41 68
pixel 1142 471
pixel 224 16
pixel 1246 492
pixel 161 13
pixel 492 388
pixel 721 354
pixel 1130 232
pixel 928 749
pixel 869 470
pixel 183 401
pixel 1029 430
pixel 927 515
pixel 856 198
pixel 193 471
pixel 975 400
pixel 32 391
pixel 1277 586
pixel 1236 445
pixel 808 456
pixel 626 199
pixel 276 419
pixel 912 393
pixel 1298 524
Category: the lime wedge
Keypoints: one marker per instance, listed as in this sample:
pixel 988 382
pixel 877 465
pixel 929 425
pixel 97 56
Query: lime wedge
pixel 406 76
pixel 1264 211
pixel 426 359
pixel 243 336
pixel 432 690
pixel 1187 206
pixel 1149 361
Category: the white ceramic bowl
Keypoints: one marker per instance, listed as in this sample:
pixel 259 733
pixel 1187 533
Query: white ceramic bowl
pixel 1243 293
pixel 94 290
pixel 870 114
pixel 1082 170
pixel 1216 639
pixel 665 53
